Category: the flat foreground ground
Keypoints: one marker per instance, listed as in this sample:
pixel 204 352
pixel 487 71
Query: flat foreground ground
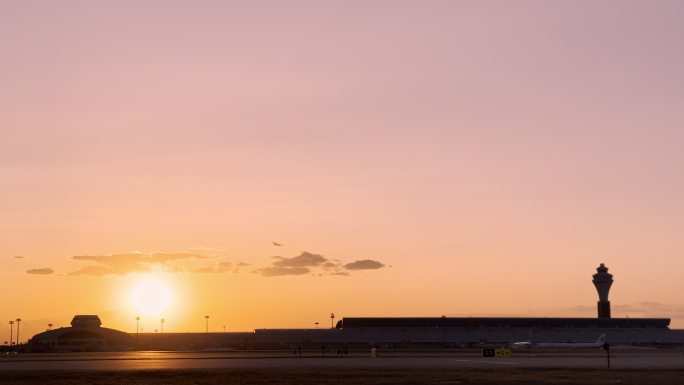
pixel 660 367
pixel 323 376
pixel 132 361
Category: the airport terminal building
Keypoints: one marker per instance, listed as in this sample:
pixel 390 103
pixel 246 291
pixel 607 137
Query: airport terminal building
pixel 428 333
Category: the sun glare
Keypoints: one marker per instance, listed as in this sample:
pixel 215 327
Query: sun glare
pixel 151 298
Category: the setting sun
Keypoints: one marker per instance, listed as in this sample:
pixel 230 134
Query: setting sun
pixel 151 297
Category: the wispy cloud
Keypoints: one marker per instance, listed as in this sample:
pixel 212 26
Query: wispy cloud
pixel 41 271
pixel 274 271
pixel 19 257
pixel 209 249
pixel 120 264
pixel 136 262
pixel 238 267
pixel 221 267
pixel 635 310
pixel 650 309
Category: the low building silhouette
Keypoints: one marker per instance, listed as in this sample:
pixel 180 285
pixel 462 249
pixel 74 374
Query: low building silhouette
pixel 85 334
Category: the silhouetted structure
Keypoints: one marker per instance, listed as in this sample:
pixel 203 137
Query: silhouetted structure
pixel 602 281
pixel 85 334
pixel 11 340
pixel 18 322
pixel 475 323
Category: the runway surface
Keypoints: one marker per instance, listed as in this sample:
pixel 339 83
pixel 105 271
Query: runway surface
pixel 228 360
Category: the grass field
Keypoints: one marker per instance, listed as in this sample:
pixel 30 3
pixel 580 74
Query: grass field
pixel 346 376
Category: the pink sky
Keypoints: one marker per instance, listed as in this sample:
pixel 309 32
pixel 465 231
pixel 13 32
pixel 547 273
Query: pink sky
pixel 493 153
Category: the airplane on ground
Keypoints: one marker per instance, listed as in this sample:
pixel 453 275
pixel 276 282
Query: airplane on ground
pixel 560 345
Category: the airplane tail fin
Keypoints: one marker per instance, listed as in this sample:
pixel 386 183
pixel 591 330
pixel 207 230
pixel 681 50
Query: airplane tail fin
pixel 602 339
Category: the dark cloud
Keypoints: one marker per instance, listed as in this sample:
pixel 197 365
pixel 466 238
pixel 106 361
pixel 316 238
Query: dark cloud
pixel 298 265
pixel 364 264
pixel 42 271
pixel 276 244
pixel 305 259
pixel 120 264
pixel 315 264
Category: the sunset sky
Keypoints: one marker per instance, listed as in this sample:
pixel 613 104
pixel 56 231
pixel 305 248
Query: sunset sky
pixel 267 163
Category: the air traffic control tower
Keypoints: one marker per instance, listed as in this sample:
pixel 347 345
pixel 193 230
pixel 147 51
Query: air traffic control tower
pixel 602 281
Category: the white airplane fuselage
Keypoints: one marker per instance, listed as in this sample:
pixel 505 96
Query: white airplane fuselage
pixel 560 345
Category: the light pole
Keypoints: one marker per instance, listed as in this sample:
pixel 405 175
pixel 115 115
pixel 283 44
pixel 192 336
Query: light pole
pixel 332 320
pixel 11 332
pixel 162 325
pixel 206 317
pixel 137 326
pixel 49 327
pixel 18 321
pixel 224 328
